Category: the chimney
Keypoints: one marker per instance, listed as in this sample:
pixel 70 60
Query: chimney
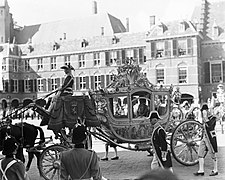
pixel 152 21
pixel 94 7
pixel 127 24
pixel 102 31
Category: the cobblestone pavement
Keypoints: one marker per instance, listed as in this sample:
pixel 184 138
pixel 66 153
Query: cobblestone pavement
pixel 133 164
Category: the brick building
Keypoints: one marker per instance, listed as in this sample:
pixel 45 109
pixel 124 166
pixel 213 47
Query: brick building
pixel 188 54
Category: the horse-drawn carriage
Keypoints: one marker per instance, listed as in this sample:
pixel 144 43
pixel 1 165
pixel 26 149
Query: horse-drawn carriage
pixel 119 114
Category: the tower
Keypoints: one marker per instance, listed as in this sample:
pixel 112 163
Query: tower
pixel 5 22
pixel 204 19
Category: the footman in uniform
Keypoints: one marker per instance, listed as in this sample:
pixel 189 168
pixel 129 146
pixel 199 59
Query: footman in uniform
pixel 161 156
pixel 208 143
pixel 80 163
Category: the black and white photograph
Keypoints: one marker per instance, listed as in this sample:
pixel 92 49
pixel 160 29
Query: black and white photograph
pixel 112 90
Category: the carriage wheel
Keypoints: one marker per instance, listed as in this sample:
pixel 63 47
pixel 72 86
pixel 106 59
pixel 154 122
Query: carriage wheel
pixel 185 141
pixel 49 164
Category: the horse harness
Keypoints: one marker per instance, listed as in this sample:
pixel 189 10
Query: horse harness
pixel 7 167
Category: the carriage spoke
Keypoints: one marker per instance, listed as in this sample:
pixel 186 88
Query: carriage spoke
pixel 181 151
pixel 49 170
pixel 181 140
pixel 47 165
pixel 51 155
pixel 47 160
pixel 183 133
pixel 195 150
pixel 53 173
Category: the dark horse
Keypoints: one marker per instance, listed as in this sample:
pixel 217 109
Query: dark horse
pixel 25 139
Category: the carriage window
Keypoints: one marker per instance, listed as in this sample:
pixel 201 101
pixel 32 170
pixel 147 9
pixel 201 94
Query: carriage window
pixel 141 103
pixel 119 107
pixel 161 104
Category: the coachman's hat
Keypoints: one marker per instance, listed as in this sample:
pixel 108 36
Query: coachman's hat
pixel 154 114
pixel 79 134
pixel 9 145
pixel 67 67
pixel 204 107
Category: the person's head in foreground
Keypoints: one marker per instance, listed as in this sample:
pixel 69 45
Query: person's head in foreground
pixel 79 134
pixel 158 174
pixel 10 146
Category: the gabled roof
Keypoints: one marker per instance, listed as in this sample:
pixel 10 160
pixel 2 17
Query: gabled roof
pixel 171 29
pixel 216 15
pixel 96 43
pixel 71 28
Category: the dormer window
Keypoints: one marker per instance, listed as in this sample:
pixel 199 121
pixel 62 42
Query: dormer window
pixel 30 47
pixel 215 30
pixel 182 26
pixel 84 43
pixel 115 40
pixel 161 28
pixel 56 46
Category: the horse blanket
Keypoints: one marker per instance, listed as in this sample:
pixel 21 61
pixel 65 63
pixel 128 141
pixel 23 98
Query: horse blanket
pixel 68 110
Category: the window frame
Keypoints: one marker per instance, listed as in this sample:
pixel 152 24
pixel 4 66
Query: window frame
pixel 15 85
pixel 15 65
pixel 27 86
pixel 81 60
pixel 4 64
pixel 96 59
pixel 40 85
pixel 67 60
pixel 182 48
pixel 82 82
pixel 97 81
pixel 182 80
pixel 40 64
pixel 54 83
pixel 211 71
pixel 160 49
pixel 53 63
pixel 158 79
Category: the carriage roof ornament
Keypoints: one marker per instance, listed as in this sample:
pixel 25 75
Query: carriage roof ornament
pixel 128 77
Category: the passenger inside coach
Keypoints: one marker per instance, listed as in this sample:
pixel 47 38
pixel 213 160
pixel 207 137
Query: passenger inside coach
pixel 143 109
pixel 140 104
